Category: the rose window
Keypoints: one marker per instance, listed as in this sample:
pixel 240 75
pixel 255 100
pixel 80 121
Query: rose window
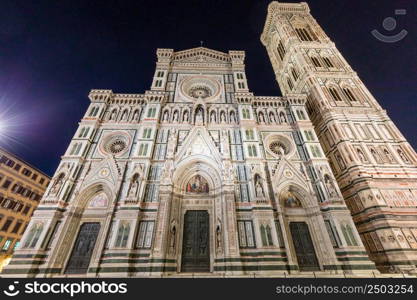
pixel 115 144
pixel 200 87
pixel 279 145
pixel 200 92
pixel 278 148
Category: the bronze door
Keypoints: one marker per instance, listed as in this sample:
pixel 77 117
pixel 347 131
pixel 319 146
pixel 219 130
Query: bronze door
pixel 304 248
pixel 195 250
pixel 83 249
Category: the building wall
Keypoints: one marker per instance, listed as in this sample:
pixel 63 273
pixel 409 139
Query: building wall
pixel 127 177
pixel 21 189
pixel 374 164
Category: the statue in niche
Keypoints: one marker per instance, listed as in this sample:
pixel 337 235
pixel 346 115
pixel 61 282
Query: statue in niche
pixel 261 118
pixel 168 172
pixel 199 117
pixel 136 115
pixel 172 141
pixel 272 118
pixel 58 184
pixel 222 117
pixel 113 115
pixel 213 117
pixel 225 144
pixel 185 119
pixel 219 236
pixel 173 233
pixel 134 185
pixel 228 171
pixel 165 116
pixel 259 190
pixel 330 186
pixel 282 118
pixel 232 117
pixel 291 201
pixel 198 184
pixel 175 118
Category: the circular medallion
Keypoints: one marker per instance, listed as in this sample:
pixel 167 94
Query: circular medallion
pixel 104 172
pixel 279 145
pixel 115 144
pixel 288 174
pixel 278 148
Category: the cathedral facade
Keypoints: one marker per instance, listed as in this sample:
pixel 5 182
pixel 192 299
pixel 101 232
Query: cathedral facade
pixel 200 176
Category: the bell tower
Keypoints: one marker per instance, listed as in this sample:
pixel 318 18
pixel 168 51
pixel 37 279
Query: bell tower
pixel 375 166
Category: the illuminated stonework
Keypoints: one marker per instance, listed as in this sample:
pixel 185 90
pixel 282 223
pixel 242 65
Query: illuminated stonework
pixel 196 175
pixel 203 87
pixel 373 163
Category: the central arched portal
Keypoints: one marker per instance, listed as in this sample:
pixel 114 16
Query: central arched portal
pixel 197 207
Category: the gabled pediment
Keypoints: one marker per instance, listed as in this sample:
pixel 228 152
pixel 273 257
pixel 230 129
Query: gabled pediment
pixel 285 172
pixel 106 170
pixel 198 143
pixel 201 55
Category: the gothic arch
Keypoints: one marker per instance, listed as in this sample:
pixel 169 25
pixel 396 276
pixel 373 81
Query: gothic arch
pixel 298 191
pixel 197 165
pixel 79 214
pixel 90 191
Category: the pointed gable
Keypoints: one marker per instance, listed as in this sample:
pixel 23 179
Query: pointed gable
pixel 198 142
pixel 106 170
pixel 286 172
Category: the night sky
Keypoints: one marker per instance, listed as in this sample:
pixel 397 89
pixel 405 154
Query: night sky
pixel 53 52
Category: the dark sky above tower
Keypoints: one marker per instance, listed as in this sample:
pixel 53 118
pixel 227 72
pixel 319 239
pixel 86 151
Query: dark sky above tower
pixel 53 52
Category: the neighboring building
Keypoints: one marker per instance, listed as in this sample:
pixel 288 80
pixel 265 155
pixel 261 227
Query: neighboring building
pixel 21 189
pixel 195 175
pixel 199 175
pixel 375 166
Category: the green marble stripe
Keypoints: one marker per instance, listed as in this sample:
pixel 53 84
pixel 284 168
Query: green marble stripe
pixel 352 253
pixel 261 259
pixel 262 253
pixel 358 267
pixel 353 259
pixel 51 208
pixel 137 261
pixel 388 217
pixel 138 208
pixel 32 271
pixel 130 255
pixel 253 208
pixel 349 267
pixel 379 228
pixel 375 207
pixel 257 268
pixel 395 250
pixel 331 267
pixel 30 256
pixel 131 269
pixel 399 262
pixel 333 208
pixel 27 262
